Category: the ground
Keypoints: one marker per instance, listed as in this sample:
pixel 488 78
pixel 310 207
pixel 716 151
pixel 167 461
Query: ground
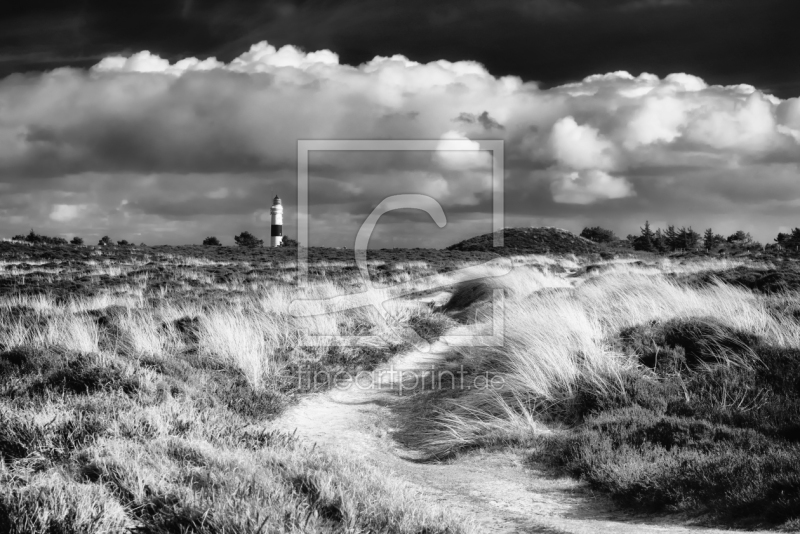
pixel 167 390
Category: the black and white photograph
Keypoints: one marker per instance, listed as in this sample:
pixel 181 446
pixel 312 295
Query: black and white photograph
pixel 383 267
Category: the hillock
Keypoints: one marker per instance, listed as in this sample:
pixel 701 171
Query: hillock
pixel 544 240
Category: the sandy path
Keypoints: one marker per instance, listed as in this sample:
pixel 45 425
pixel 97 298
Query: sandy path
pixel 495 489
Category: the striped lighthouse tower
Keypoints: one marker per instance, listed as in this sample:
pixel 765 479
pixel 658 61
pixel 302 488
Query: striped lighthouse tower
pixel 277 222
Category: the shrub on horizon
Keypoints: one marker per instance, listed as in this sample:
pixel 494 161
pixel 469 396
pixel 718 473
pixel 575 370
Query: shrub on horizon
pixel 288 242
pixel 76 241
pixel 211 242
pixel 34 238
pixel 598 234
pixel 740 237
pixel 105 241
pixel 246 239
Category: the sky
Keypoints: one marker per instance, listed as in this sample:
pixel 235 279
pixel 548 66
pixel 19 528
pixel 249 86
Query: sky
pixel 166 122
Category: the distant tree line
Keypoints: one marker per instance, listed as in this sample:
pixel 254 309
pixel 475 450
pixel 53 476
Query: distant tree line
pixel 35 238
pixel 789 240
pixel 670 240
pixel 106 241
pixel 39 239
pixel 244 239
pixel 247 240
pixel 684 238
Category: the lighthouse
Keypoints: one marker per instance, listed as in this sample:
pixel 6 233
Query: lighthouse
pixel 277 222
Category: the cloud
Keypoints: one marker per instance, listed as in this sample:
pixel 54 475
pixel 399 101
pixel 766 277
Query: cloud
pixel 483 119
pixel 201 138
pixel 65 212
pixel 658 120
pixel 746 124
pixel 588 186
pixel 457 152
pixel 146 62
pixel 262 57
pixel 580 146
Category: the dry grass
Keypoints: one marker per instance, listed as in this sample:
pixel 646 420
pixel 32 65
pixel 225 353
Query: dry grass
pixel 145 404
pixel 557 340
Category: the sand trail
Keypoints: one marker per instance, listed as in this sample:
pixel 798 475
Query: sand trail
pixel 500 492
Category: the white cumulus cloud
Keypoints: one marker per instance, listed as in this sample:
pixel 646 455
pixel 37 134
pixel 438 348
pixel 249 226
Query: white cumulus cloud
pixel 580 146
pixel 588 186
pixel 66 212
pixel 231 130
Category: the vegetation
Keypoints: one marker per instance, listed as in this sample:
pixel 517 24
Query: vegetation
pixel 288 242
pixel 712 240
pixel 76 241
pixel 670 240
pixel 141 398
pixel 246 239
pixel 677 395
pixel 791 240
pixel 35 239
pixel 530 241
pixel 105 241
pixel 137 385
pixel 598 235
pixel 597 240
pixel 715 425
pixel 211 242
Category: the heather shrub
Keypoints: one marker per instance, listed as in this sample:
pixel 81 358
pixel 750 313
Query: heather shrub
pixel 246 239
pixel 673 463
pixel 712 423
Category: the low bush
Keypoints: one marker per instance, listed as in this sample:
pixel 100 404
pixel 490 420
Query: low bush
pixel 598 234
pixel 712 424
pixel 52 503
pixel 25 371
pixel 660 462
pixel 429 325
pixel 246 239
pixel 770 281
pixel 84 374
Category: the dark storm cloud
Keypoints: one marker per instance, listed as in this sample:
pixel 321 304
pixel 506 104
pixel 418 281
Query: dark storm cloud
pixel 552 41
